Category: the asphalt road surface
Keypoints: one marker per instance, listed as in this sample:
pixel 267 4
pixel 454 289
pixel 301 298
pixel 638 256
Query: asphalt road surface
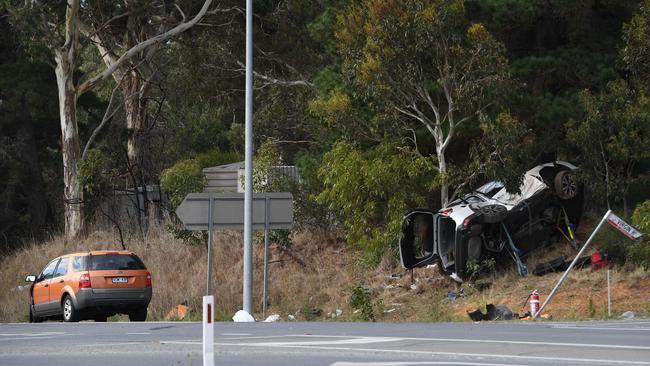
pixel 335 343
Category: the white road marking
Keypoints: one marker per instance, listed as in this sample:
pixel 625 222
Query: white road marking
pixel 347 340
pixel 24 338
pixel 556 360
pixel 599 328
pixel 457 340
pixel 418 363
pixel 31 334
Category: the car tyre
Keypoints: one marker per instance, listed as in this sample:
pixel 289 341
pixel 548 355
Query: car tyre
pixel 492 213
pixel 565 185
pixel 138 315
pixel 33 318
pixel 70 312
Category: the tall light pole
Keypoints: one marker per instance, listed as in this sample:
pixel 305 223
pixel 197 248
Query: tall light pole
pixel 248 166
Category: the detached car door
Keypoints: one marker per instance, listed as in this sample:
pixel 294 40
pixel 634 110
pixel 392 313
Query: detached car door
pixel 417 246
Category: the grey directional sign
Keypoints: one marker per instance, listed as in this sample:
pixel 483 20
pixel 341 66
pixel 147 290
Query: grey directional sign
pixel 228 211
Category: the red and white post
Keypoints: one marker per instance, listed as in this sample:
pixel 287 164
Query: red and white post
pixel 208 330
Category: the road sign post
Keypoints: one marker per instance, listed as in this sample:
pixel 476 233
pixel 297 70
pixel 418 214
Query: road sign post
pixel 210 229
pixel 266 258
pixel 225 211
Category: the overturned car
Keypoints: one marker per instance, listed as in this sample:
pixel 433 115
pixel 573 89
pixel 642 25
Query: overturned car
pixel 491 222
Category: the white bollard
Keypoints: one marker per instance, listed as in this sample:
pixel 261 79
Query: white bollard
pixel 208 330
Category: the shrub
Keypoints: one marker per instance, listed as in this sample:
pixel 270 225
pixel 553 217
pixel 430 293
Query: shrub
pixel 639 252
pixel 371 189
pixel 217 157
pixel 184 177
pixel 361 302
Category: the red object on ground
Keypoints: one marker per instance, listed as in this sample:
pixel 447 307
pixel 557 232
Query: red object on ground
pixel 598 261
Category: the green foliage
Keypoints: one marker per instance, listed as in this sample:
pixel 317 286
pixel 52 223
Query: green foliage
pixel 636 53
pixel 612 138
pixel 361 303
pixel 504 152
pixel 371 190
pixel 639 251
pixel 641 217
pixel 95 173
pixel 186 176
pixel 591 308
pixel 475 268
pixel 216 157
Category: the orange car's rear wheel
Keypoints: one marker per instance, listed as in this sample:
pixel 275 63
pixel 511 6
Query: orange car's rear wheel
pixel 138 315
pixel 70 312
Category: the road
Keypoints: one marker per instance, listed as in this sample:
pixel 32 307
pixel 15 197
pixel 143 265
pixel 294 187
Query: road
pixel 330 343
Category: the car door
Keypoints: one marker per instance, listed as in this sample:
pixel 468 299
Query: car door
pixel 58 282
pixel 417 245
pixel 41 293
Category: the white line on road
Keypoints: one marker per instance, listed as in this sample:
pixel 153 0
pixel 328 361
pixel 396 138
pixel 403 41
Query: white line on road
pixel 459 340
pixel 418 363
pixel 599 328
pixel 556 360
pixel 31 334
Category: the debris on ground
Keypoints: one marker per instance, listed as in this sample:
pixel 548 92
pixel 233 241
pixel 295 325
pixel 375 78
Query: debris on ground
pixel 493 312
pixel 559 265
pixel 291 317
pixel 272 318
pixel 599 260
pixel 242 316
pixel 628 315
pixel 177 313
pixel 413 286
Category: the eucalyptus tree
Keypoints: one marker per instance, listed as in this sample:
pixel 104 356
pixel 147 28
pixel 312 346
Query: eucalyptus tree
pixel 424 62
pixel 53 32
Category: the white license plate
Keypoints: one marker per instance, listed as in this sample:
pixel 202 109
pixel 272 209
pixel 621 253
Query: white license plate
pixel 120 280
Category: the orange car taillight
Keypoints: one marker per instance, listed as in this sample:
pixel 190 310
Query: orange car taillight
pixel 84 281
pixel 148 279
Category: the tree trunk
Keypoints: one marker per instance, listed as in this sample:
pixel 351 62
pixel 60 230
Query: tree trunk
pixel 135 108
pixel 444 187
pixel 73 193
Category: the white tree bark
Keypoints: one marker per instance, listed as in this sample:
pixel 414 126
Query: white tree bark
pixel 66 58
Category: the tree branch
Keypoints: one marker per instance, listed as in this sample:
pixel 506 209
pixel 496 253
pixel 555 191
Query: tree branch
pixel 182 27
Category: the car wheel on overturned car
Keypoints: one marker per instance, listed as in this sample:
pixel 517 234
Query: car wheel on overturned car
pixel 565 185
pixel 492 213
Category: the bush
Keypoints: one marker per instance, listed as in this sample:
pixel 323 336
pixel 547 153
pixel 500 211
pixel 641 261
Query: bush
pixel 217 157
pixel 361 302
pixel 371 189
pixel 639 252
pixel 186 176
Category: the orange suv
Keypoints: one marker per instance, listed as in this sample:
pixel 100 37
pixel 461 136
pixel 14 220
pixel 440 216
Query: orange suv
pixel 92 285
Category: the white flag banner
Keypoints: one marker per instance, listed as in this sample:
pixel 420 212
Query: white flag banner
pixel 623 226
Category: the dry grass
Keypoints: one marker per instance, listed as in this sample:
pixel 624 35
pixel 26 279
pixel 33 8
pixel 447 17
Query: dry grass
pixel 319 276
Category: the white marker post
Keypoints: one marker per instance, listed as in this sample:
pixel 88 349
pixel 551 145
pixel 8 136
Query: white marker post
pixel 208 331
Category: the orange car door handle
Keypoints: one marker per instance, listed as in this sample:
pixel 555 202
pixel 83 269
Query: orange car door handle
pixel 60 281
pixel 45 285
